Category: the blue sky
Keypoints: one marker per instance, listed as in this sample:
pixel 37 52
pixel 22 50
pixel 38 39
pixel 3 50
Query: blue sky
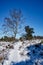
pixel 32 10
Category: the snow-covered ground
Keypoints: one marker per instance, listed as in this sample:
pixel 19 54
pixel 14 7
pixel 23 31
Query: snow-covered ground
pixel 21 53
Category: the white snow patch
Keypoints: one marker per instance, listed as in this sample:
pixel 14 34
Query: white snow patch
pixel 16 54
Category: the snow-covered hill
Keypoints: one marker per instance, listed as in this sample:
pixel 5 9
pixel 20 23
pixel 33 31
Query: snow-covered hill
pixel 23 53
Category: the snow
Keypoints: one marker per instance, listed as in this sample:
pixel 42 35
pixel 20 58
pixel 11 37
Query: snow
pixel 15 54
pixel 23 53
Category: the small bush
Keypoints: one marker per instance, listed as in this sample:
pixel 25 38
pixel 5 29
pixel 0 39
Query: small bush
pixel 21 39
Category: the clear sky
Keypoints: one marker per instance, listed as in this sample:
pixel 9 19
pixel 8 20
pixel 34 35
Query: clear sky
pixel 31 9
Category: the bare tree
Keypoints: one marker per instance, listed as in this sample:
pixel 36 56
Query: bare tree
pixel 14 22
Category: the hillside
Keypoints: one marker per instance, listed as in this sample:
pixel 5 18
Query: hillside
pixel 21 53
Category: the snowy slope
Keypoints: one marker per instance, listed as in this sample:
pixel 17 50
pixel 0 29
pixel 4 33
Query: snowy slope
pixel 25 53
pixel 17 54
